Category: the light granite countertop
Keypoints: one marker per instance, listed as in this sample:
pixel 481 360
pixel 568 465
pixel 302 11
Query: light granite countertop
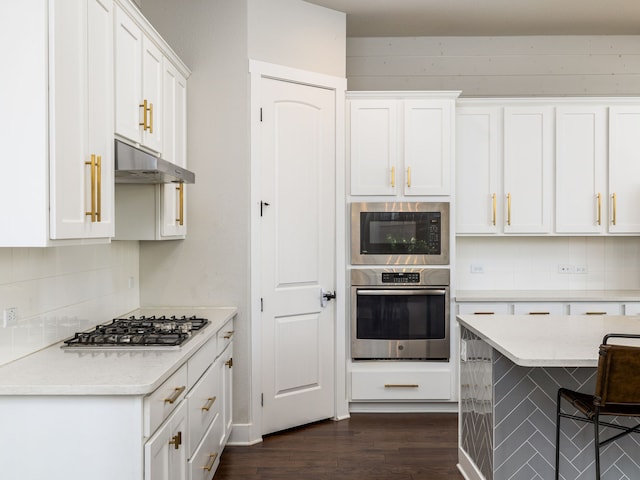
pixel 549 340
pixel 547 296
pixel 100 371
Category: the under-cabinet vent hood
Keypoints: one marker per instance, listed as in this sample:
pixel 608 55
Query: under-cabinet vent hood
pixel 137 166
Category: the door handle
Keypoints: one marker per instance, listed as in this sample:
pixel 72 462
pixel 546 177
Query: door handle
pixel 325 296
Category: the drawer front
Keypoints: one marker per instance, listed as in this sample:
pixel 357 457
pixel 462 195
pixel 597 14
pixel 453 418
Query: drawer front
pixel 200 361
pixel 592 308
pixel 206 459
pixel 164 400
pixel 434 385
pixel 225 337
pixel 484 309
pixel 539 308
pixel 204 405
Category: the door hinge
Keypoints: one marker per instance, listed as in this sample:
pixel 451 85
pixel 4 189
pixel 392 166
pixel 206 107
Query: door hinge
pixel 260 113
pixel 262 399
pixel 261 304
pixel 262 205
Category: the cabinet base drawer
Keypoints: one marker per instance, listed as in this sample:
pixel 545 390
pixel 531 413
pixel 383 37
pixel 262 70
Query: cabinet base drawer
pixel 205 461
pixel 435 385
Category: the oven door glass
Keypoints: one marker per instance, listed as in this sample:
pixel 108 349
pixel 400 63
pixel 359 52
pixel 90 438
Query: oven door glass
pixel 403 233
pixel 401 314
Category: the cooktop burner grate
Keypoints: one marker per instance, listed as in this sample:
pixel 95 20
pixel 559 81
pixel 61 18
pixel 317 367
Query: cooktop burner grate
pixel 139 332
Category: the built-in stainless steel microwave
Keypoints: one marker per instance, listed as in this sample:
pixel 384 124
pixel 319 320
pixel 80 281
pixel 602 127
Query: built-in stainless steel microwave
pixel 400 233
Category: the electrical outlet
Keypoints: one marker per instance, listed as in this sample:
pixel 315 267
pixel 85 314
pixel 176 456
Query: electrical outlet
pixel 10 317
pixel 582 269
pixel 477 268
pixel 563 268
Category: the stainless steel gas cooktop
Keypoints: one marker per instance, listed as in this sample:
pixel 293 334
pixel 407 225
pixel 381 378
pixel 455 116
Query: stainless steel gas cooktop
pixel 139 332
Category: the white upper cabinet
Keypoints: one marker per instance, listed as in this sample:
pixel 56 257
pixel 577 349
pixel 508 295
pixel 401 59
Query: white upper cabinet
pixel 581 169
pixel 427 147
pixel 373 146
pixel 624 169
pixel 478 187
pixel 528 160
pixel 61 175
pixel 138 87
pixel 400 138
pixel 174 149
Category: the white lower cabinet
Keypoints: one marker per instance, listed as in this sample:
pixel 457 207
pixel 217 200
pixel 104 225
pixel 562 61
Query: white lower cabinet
pixel 165 456
pixel 408 381
pixel 177 432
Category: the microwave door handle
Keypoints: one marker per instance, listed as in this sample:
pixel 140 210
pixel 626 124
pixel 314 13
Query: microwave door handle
pixel 402 292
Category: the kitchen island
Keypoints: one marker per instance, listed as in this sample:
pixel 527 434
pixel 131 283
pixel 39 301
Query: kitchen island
pixel 511 367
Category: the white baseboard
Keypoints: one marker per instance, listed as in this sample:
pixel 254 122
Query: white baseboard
pixel 403 407
pixel 241 435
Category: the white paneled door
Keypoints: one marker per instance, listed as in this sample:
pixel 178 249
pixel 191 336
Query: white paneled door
pixel 297 253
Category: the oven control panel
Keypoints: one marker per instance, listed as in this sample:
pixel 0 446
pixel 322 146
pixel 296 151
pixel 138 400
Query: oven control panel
pixel 400 277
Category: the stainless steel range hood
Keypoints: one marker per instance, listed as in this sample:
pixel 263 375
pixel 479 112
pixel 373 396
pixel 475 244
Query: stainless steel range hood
pixel 137 166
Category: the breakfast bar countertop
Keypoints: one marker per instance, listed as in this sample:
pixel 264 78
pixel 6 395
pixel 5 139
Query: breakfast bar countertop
pixel 549 340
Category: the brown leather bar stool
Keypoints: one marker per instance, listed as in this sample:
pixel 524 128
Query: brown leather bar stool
pixel 617 393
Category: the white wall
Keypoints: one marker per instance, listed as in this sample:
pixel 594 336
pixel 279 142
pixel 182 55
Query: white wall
pixel 497 66
pixel 63 290
pixel 216 39
pixel 531 263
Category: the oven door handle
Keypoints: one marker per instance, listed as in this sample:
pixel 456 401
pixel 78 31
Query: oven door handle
pixel 430 291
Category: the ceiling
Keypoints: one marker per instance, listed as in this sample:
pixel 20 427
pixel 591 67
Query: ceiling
pixel 389 18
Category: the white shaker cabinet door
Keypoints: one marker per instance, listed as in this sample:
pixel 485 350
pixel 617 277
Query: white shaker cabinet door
pixel 478 191
pixel 528 160
pixel 427 146
pixel 373 147
pixel 128 76
pixel 152 71
pixel 165 453
pixel 624 169
pixel 81 120
pixel 581 169
pixel 174 148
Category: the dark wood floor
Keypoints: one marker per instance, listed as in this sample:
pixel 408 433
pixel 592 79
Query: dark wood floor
pixel 363 447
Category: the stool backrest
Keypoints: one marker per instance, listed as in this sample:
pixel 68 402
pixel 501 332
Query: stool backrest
pixel 618 380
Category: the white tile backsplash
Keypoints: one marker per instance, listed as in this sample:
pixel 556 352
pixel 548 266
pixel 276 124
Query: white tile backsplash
pixel 59 291
pixel 531 263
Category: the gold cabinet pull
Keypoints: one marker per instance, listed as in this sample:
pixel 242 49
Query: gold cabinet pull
pixel 615 201
pixel 508 208
pixel 99 188
pixel 539 313
pixel 209 404
pixel 484 313
pixel 599 219
pixel 180 189
pixel 229 363
pixel 176 440
pixel 493 198
pixel 409 177
pixel 228 335
pixel 401 385
pixel 145 109
pixel 150 117
pixel 393 176
pixel 175 395
pixel 595 313
pixel 212 460
pixel 92 165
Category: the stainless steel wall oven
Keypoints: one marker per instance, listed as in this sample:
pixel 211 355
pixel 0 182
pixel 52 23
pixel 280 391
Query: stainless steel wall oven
pixel 400 233
pixel 400 313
